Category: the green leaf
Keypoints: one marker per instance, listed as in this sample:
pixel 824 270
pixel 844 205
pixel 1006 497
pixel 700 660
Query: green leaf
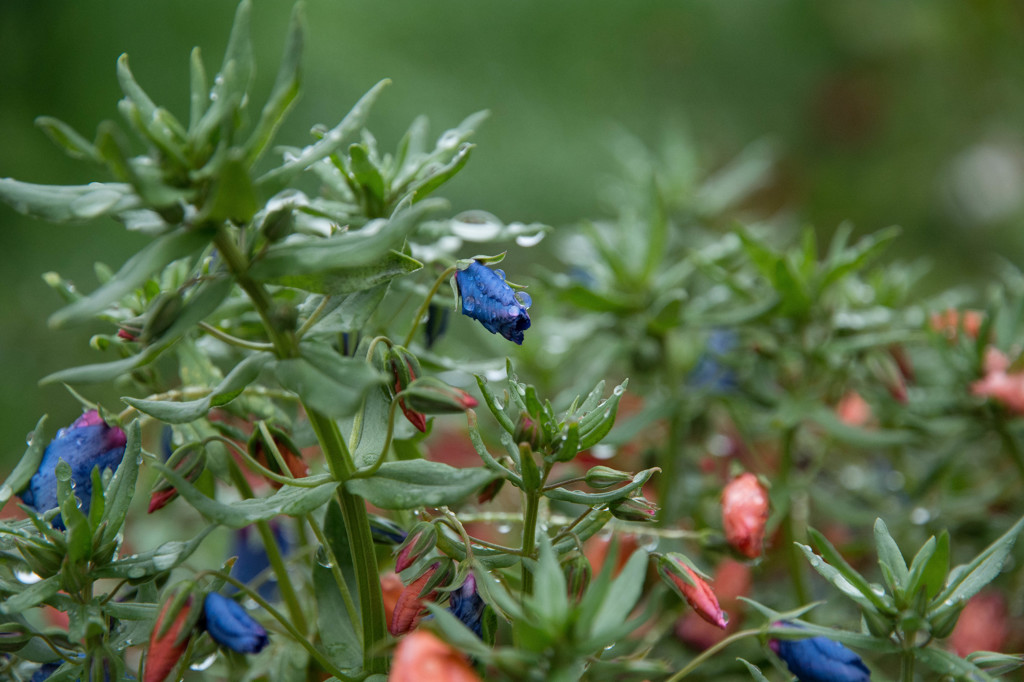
pixel 843 261
pixel 929 568
pixel 947 663
pixel 754 671
pixel 854 587
pixel 285 91
pixel 290 500
pixel 549 603
pixel 237 67
pixel 366 174
pixel 373 428
pixel 227 390
pixel 78 534
pixel 328 382
pixel 199 95
pixel 854 435
pixel 620 599
pixel 494 405
pixel 591 499
pixel 353 279
pixel 890 557
pixel 419 483
pixel 351 249
pixel 424 186
pixel 31 595
pixel 967 580
pixel 27 465
pixel 352 312
pixel 140 267
pixel 841 574
pixel 67 203
pixel 596 424
pixel 275 180
pixel 233 195
pixel 337 632
pixel 121 489
pixel 68 139
pixel 139 567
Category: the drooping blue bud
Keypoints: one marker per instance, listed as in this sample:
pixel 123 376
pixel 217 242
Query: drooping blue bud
pixel 88 443
pixel 487 298
pixel 820 659
pixel 466 605
pixel 247 545
pixel 231 626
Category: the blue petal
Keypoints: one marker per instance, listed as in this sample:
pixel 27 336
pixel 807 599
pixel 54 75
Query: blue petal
pixel 231 626
pixel 488 299
pixel 819 659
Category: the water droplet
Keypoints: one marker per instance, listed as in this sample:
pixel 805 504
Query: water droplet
pixel 468 304
pixel 323 558
pixel 602 451
pixel 205 663
pixel 26 577
pixel 527 240
pixel 524 299
pixel 618 390
pixel 136 572
pixel 28 438
pixel 449 140
pixel 513 311
pixel 504 528
pixel 920 516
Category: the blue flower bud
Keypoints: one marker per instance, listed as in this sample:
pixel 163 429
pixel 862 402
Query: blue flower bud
pixel 231 627
pixel 487 298
pixel 710 373
pixel 88 443
pixel 820 659
pixel 466 605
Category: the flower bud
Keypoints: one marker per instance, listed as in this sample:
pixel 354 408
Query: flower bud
pixel 231 626
pixel 422 657
pixel 253 561
pixel 163 311
pixel 638 509
pixel 490 491
pixel 430 395
pixel 385 531
pixel 577 572
pixel 409 608
pixel 190 464
pixel 744 514
pixel 168 640
pixel 528 431
pixel 405 369
pixel 605 477
pixel 417 545
pixel 88 443
pixel 816 659
pixel 466 605
pixel 943 623
pixel 691 587
pixel 260 451
pixel 488 299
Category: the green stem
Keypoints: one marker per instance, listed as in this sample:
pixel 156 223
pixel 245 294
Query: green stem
pixel 339 578
pixel 357 523
pixel 907 666
pixel 353 509
pixel 792 527
pixel 529 536
pixel 284 583
pixel 233 340
pixel 426 303
pixel 313 317
pixel 711 651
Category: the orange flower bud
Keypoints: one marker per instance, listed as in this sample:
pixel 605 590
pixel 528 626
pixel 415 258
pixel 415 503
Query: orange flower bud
pixel 853 410
pixel 744 514
pixel 409 607
pixel 165 651
pixel 422 657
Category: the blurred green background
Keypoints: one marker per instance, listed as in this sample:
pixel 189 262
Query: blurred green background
pixel 881 113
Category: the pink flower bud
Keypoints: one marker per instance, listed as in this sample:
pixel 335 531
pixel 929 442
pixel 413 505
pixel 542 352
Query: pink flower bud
pixel 422 657
pixel 410 605
pixel 166 650
pixel 744 514
pixel 691 587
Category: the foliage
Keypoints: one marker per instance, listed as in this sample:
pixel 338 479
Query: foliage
pixel 284 362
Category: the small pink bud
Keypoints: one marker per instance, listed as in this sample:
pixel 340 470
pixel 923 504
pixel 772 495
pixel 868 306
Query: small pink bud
pixel 410 605
pixel 691 587
pixel 744 514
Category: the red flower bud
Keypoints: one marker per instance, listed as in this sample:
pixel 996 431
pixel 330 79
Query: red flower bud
pixel 691 587
pixel 166 650
pixel 410 606
pixel 416 545
pixel 405 368
pixel 744 514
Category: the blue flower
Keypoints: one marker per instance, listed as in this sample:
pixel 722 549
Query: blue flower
pixel 88 443
pixel 820 659
pixel 252 561
pixel 231 627
pixel 710 373
pixel 487 298
pixel 466 605
pixel 385 531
